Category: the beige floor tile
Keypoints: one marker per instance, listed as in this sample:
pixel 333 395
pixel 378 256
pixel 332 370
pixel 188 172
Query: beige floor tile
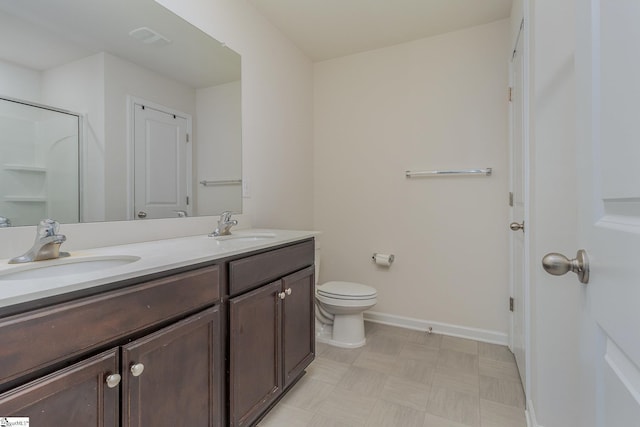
pixel 308 394
pixel 419 352
pixel 507 392
pixel 433 421
pixel 342 355
pixel 364 382
pixel 382 363
pixel 495 352
pixel 326 370
pixel 414 369
pixel 284 415
pixel 406 393
pixel 494 414
pixel 386 414
pixel 383 343
pixel 456 380
pixel 346 406
pixel 463 408
pixel 460 344
pixel 320 420
pixel 429 340
pixel 459 361
pixel 498 369
pixel 321 348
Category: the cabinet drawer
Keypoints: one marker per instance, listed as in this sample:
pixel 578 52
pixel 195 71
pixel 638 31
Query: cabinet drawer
pixel 256 270
pixel 32 341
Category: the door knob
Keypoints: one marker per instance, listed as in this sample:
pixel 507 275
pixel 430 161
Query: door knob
pixel 282 295
pixel 516 226
pixel 142 214
pixel 558 264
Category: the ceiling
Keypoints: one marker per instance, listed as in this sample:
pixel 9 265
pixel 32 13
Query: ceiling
pixel 325 29
pixel 51 33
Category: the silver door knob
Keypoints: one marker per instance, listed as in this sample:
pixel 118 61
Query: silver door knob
pixel 516 226
pixel 113 380
pixel 558 264
pixel 137 369
pixel 288 291
pixel 142 214
pixel 282 295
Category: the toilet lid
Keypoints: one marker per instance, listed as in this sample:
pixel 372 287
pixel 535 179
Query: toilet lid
pixel 346 290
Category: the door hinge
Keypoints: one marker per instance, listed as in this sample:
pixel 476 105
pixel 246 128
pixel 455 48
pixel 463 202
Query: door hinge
pixel 187 200
pixel 511 198
pixel 511 304
pixel 510 94
pixel 187 137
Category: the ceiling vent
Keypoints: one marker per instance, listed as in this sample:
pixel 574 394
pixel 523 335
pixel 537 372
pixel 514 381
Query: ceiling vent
pixel 148 36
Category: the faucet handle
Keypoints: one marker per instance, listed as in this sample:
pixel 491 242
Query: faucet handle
pixel 47 228
pixel 225 216
pixel 4 222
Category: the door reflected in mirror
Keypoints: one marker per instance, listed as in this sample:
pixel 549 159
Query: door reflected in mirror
pixel 98 59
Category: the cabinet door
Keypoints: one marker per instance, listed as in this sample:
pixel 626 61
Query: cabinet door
pixel 76 396
pixel 173 377
pixel 298 323
pixel 255 376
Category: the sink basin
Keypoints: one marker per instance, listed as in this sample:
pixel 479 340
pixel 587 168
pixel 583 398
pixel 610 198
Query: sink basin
pixel 65 267
pixel 248 237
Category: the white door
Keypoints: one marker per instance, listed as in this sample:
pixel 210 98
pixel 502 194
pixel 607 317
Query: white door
pixel 518 208
pixel 608 79
pixel 162 169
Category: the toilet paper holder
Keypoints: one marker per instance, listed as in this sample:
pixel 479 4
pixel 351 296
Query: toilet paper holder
pixel 384 260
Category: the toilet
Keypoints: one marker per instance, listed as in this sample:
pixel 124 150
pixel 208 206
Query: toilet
pixel 339 308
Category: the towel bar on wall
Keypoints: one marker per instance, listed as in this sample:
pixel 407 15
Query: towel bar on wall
pixel 221 182
pixel 414 174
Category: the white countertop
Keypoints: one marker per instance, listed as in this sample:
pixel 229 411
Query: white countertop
pixel 155 256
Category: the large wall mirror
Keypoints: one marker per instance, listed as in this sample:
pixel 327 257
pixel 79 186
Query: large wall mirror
pixel 115 110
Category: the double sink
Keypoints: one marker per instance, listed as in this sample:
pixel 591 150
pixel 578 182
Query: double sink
pixel 85 264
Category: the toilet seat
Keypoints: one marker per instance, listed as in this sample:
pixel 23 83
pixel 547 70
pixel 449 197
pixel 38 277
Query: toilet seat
pixel 346 291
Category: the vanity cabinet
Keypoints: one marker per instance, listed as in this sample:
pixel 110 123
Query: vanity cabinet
pixel 212 346
pixel 163 365
pixel 76 396
pixel 271 329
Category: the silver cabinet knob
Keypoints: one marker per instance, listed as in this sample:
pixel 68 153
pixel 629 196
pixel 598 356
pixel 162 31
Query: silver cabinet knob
pixel 137 369
pixel 558 264
pixel 288 291
pixel 142 214
pixel 113 380
pixel 516 226
pixel 282 295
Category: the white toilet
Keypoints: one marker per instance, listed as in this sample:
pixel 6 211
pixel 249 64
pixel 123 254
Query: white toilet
pixel 339 308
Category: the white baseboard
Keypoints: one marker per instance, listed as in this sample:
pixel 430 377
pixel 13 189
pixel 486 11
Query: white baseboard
pixel 483 335
pixel 531 415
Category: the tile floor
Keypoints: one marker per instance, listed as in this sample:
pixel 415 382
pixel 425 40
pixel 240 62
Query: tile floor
pixel 406 378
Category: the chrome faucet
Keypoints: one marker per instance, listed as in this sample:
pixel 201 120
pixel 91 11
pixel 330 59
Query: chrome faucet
pixel 4 222
pixel 224 225
pixel 46 245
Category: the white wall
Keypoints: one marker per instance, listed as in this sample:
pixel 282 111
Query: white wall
pixel 218 148
pixel 435 103
pixel 19 82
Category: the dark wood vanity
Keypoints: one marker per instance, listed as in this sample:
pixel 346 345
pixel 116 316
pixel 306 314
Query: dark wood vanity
pixel 213 344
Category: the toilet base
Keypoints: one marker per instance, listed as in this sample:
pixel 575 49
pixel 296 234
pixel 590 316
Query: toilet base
pixel 347 331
